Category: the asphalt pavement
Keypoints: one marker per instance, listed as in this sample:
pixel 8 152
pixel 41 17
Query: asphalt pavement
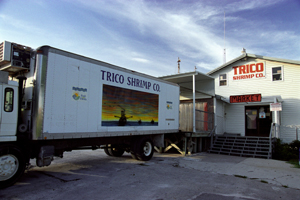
pixel 88 174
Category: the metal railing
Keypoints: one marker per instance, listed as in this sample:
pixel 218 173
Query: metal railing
pixel 272 134
pixel 211 135
pixel 273 126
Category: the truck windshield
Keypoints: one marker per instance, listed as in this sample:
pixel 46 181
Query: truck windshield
pixel 8 100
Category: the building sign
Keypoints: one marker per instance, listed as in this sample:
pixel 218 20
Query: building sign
pixel 245 98
pixel 249 71
pixel 275 107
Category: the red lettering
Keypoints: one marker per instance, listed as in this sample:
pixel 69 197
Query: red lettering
pixel 251 68
pixel 259 67
pixel 259 75
pixel 242 69
pixel 247 68
pixel 235 70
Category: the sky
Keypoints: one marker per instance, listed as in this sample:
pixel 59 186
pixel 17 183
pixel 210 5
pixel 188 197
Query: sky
pixel 149 36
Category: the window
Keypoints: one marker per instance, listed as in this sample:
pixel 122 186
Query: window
pixel 276 73
pixel 8 100
pixel 223 79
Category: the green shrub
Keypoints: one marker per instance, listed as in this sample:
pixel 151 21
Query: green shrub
pixel 286 152
pixel 295 145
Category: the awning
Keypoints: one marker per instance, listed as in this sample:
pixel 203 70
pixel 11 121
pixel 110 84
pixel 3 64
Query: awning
pixel 204 84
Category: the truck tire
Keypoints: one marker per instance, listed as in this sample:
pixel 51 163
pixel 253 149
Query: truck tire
pixel 116 151
pixel 12 165
pixel 106 150
pixel 144 149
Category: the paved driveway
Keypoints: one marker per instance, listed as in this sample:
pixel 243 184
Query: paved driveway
pixel 89 174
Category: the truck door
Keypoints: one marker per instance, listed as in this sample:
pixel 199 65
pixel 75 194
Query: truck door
pixel 9 110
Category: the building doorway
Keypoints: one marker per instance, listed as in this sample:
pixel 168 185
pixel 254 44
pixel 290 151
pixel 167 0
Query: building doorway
pixel 258 121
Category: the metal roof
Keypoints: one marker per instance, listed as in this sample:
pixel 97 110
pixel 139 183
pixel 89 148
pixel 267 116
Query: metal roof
pixel 186 77
pixel 185 80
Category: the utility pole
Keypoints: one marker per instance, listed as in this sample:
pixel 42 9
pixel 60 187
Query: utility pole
pixel 178 65
pixel 224 56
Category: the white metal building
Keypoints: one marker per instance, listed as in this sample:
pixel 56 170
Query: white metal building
pixel 249 87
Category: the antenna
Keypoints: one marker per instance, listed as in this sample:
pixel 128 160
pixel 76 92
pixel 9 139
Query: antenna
pixel 224 56
pixel 178 65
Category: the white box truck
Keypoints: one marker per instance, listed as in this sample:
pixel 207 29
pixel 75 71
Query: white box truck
pixel 54 101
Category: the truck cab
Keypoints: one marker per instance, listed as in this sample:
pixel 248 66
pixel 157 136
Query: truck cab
pixel 14 64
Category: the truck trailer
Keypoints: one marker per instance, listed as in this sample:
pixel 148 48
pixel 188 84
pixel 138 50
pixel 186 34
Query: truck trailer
pixel 54 101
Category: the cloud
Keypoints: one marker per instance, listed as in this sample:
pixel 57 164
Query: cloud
pixel 179 31
pixel 148 36
pixel 142 60
pixel 250 5
pixel 194 31
pixel 11 21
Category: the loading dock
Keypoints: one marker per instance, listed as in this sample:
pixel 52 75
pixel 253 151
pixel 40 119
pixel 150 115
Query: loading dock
pixel 197 111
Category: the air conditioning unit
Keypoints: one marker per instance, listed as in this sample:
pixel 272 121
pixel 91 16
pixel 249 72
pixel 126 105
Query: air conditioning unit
pixel 14 57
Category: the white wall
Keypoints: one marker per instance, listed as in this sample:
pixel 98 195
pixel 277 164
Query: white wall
pixel 68 117
pixel 220 120
pixel 287 89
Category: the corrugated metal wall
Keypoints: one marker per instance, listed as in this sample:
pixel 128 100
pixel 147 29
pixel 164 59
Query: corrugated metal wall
pixel 186 117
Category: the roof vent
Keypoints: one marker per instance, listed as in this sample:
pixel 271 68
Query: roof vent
pixel 244 51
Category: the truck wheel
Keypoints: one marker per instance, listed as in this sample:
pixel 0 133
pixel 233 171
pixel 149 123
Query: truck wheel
pixel 106 150
pixel 12 165
pixel 144 149
pixel 116 151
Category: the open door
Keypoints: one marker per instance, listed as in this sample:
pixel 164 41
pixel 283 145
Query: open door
pixel 258 121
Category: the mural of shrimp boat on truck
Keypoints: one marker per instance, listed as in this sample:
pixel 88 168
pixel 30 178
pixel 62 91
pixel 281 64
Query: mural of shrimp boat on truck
pixel 123 107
